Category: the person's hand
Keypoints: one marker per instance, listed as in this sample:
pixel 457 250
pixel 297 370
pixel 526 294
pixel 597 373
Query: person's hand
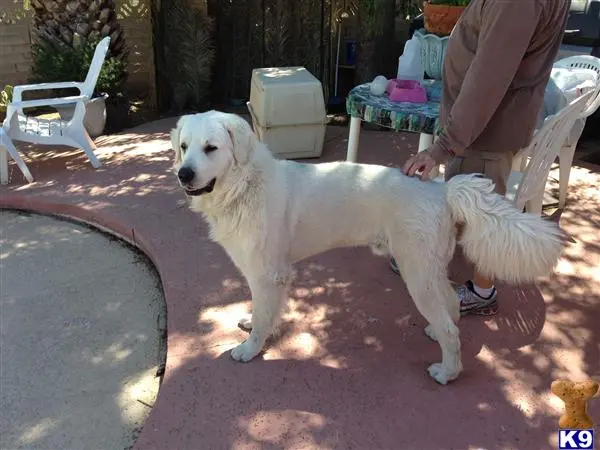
pixel 421 162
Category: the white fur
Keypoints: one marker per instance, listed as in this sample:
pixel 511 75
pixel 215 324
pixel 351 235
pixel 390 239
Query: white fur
pixel 268 214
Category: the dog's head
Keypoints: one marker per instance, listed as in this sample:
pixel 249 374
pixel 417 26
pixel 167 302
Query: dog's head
pixel 207 147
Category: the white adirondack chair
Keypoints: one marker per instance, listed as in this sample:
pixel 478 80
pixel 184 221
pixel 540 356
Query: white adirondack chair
pixel 18 126
pixel 532 164
pixel 567 152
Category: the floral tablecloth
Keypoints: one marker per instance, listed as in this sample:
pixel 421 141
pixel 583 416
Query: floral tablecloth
pixel 400 116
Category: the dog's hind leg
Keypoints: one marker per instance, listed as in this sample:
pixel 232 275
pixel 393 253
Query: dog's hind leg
pixel 452 303
pixel 269 294
pixel 452 300
pixel 430 291
pixel 445 332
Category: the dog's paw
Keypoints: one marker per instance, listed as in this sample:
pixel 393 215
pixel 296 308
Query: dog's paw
pixel 245 323
pixel 441 374
pixel 245 351
pixel 430 333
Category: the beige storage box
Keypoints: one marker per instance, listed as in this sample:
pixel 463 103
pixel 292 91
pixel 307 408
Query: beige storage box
pixel 288 111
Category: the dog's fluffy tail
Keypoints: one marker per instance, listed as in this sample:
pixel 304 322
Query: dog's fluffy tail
pixel 503 243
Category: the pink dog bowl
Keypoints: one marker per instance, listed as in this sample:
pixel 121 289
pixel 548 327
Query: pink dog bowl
pixel 409 91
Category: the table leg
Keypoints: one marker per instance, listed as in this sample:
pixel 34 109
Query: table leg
pixel 425 141
pixel 353 138
pixel 3 165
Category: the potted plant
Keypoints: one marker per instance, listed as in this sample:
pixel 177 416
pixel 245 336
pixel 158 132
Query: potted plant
pixel 440 16
pixel 57 62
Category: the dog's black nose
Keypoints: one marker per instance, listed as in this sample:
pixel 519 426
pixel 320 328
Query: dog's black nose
pixel 185 175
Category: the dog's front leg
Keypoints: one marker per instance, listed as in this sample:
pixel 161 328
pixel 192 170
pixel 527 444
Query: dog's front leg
pixel 268 298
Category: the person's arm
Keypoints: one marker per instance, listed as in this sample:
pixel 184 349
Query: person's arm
pixel 506 31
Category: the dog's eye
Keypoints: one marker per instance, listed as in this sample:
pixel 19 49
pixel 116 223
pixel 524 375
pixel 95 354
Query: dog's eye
pixel 184 146
pixel 209 149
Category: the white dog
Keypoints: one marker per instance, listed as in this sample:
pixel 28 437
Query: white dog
pixel 269 213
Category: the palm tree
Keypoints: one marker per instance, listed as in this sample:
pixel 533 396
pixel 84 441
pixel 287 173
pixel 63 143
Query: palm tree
pixel 75 22
pixel 376 30
pixel 185 54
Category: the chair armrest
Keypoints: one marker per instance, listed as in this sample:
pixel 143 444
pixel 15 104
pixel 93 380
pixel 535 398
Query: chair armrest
pixel 48 102
pixel 593 105
pixel 18 90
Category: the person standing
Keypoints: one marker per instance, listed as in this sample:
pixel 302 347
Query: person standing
pixel 497 64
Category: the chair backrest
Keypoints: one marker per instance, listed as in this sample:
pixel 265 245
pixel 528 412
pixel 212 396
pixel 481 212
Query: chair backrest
pixel 96 65
pixel 545 147
pixel 584 62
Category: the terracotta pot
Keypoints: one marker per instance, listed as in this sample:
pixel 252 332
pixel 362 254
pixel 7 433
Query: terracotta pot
pixel 440 19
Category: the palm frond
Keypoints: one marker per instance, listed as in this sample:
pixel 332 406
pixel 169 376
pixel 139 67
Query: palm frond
pixel 188 55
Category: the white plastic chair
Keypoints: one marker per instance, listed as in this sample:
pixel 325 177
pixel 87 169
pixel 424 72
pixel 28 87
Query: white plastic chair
pixel 567 152
pixel 19 127
pixel 526 185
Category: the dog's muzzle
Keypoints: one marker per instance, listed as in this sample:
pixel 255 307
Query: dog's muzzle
pixel 186 177
pixel 205 190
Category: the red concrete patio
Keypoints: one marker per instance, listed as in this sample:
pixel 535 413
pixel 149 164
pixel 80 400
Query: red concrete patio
pixel 349 371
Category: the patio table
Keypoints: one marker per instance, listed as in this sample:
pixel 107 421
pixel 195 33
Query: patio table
pixel 421 118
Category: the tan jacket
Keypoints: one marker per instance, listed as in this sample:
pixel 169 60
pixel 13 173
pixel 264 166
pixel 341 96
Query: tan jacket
pixel 496 67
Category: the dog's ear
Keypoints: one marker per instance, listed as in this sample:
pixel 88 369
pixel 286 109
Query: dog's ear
pixel 242 136
pixel 175 133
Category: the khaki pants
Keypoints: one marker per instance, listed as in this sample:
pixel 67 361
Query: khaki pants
pixel 495 166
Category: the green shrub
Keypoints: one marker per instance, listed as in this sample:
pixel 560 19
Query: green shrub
pixel 5 97
pixel 56 62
